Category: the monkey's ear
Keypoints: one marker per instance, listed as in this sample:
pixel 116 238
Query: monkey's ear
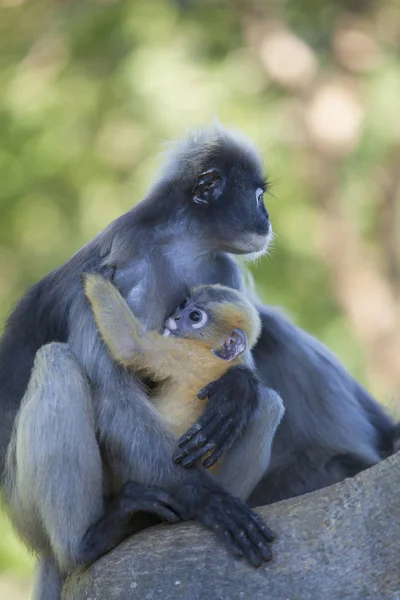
pixel 234 345
pixel 208 187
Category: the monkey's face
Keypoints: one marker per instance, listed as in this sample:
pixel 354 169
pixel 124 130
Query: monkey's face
pixel 228 202
pixel 187 321
pixel 208 325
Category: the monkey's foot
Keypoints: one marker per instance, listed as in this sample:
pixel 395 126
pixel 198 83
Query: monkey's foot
pixel 242 530
pixel 234 523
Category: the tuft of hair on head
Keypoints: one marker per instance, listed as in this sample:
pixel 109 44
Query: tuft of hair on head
pixel 187 158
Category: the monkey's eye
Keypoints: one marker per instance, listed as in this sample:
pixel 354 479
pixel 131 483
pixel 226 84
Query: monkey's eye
pixel 195 316
pixel 198 318
pixel 259 195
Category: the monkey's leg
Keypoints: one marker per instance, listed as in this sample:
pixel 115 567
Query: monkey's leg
pixel 248 459
pixel 48 580
pixel 138 443
pixel 328 431
pixel 54 470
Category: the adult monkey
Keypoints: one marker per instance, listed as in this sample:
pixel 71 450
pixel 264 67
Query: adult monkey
pixel 79 401
pixel 207 204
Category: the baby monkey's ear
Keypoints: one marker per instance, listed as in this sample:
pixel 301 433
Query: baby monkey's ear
pixel 234 345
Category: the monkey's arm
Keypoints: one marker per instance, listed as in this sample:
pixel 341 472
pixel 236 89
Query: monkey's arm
pixel 129 343
pixel 233 401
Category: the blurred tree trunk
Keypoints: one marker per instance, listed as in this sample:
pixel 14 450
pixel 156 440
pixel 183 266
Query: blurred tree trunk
pixel 367 294
pixel 342 542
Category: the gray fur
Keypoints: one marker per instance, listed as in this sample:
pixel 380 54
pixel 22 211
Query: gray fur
pixel 324 418
pixel 48 580
pixel 252 453
pixel 78 401
pixel 186 158
pixel 56 490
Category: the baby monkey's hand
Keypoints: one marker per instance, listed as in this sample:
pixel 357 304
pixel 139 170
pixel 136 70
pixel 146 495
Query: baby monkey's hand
pixel 232 402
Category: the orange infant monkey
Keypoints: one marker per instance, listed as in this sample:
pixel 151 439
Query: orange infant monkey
pixel 206 335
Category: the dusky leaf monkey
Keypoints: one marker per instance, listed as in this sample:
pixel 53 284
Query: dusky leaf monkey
pixel 207 334
pixel 206 206
pixel 83 448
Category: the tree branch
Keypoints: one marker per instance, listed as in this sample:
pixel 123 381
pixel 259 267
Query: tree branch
pixel 342 542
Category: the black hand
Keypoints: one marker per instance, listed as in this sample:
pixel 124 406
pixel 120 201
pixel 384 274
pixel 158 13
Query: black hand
pixel 234 523
pixel 114 525
pixel 136 497
pixel 232 401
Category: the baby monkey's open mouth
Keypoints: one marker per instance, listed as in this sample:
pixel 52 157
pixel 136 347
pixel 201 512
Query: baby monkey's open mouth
pixel 170 327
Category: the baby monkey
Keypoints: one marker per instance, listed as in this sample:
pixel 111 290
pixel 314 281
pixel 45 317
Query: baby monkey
pixel 207 334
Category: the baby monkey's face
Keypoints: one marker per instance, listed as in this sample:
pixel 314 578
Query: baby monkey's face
pixel 187 321
pixel 219 317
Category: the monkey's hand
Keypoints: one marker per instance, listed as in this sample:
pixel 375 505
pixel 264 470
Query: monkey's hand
pixel 240 529
pixel 232 402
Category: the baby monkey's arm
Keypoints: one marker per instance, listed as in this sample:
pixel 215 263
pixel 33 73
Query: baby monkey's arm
pixel 128 341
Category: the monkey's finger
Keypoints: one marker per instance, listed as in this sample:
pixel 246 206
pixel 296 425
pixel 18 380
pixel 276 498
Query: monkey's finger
pixel 242 511
pixel 223 442
pixel 201 440
pixel 213 458
pixel 265 531
pixel 189 461
pixel 239 539
pixel 206 391
pixel 168 510
pixel 202 395
pixel 164 513
pixel 250 550
pixel 140 494
pixel 198 435
pixel 212 416
pixel 222 532
pixel 231 544
pixel 189 434
pixel 247 529
pixel 152 500
pixel 254 536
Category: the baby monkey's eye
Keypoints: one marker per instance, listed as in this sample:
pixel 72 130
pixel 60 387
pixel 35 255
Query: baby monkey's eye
pixel 195 316
pixel 198 318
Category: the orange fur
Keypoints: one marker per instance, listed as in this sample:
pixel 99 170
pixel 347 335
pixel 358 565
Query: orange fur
pixel 182 366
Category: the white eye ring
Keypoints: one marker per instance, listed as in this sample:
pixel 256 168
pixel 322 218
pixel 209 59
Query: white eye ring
pixel 202 321
pixel 259 195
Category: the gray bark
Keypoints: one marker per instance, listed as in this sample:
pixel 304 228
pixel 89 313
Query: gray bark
pixel 342 542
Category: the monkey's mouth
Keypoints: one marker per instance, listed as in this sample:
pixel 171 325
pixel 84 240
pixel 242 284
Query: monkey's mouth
pixel 257 245
pixel 167 332
pixel 170 327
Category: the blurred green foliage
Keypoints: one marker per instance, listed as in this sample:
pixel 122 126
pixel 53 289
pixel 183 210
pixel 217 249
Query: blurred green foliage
pixel 91 90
